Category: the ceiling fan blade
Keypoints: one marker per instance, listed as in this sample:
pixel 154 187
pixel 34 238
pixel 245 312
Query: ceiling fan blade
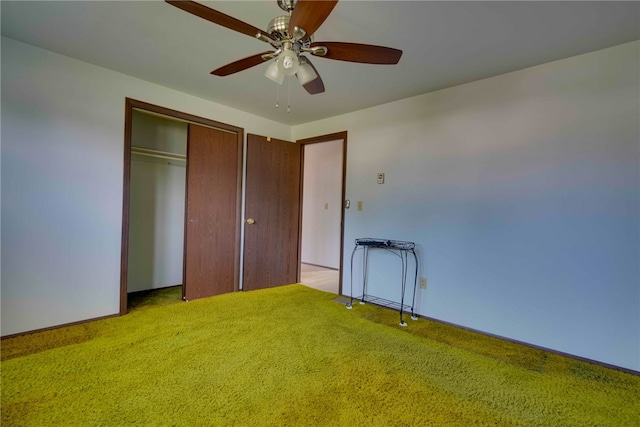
pixel 310 14
pixel 219 18
pixel 316 85
pixel 241 64
pixel 364 53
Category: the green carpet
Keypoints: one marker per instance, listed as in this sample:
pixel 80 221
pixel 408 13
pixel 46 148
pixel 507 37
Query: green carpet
pixel 290 356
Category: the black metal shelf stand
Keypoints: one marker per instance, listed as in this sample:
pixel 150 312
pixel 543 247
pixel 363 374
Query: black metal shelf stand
pixel 402 250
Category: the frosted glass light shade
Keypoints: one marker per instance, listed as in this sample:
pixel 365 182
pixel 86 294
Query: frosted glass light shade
pixel 288 62
pixel 273 73
pixel 306 74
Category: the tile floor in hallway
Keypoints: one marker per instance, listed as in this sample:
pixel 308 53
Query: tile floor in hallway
pixel 321 278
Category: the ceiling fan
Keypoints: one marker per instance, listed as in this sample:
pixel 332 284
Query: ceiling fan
pixel 291 36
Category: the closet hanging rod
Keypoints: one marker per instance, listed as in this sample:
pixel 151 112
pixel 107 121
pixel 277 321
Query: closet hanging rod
pixel 179 120
pixel 156 153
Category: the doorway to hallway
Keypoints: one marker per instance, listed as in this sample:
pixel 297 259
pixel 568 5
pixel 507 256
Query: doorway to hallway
pixel 323 194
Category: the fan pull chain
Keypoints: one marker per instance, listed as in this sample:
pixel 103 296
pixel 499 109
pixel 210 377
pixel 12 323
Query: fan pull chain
pixel 277 96
pixel 289 95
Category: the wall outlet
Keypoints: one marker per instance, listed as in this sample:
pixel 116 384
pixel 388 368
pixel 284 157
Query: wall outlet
pixel 380 178
pixel 423 283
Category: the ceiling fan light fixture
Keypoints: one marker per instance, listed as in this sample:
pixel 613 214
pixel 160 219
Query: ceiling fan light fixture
pixel 306 73
pixel 273 73
pixel 288 62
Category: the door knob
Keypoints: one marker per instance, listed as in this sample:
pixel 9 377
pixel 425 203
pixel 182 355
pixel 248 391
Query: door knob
pixel 250 221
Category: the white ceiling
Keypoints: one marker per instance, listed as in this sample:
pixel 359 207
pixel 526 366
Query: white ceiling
pixel 444 43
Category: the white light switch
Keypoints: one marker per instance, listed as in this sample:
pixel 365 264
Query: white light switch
pixel 380 178
pixel 359 205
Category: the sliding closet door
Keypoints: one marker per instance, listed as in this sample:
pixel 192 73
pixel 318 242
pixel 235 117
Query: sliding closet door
pixel 272 205
pixel 212 224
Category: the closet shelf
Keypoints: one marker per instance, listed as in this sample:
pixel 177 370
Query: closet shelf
pixel 158 154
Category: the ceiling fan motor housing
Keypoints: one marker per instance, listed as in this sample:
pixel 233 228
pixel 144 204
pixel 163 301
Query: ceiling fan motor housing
pixel 279 28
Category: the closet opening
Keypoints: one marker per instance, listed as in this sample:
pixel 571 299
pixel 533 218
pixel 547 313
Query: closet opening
pixel 156 208
pixel 181 218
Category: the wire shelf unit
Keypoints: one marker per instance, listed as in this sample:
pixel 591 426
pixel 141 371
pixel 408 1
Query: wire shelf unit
pixel 400 248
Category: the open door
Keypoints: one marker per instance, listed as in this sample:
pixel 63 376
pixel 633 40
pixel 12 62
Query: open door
pixel 211 255
pixel 272 213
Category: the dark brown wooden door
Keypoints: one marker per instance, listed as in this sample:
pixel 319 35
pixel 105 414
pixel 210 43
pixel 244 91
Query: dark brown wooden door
pixel 212 219
pixel 272 203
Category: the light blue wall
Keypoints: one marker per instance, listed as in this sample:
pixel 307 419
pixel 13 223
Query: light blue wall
pixel 522 194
